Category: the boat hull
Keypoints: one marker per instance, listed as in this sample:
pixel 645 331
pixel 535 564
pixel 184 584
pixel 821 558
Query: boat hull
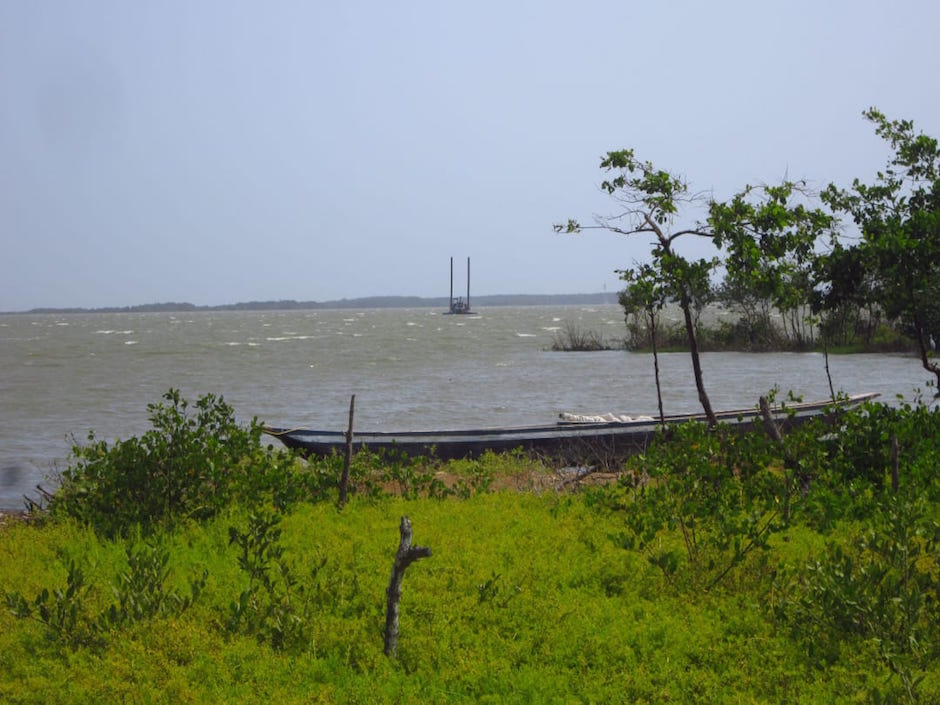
pixel 572 442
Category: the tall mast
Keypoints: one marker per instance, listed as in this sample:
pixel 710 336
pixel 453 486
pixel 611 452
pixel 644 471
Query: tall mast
pixel 451 283
pixel 468 283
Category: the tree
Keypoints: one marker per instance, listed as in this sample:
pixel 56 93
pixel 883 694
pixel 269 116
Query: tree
pixel 844 297
pixel 644 296
pixel 758 225
pixel 770 243
pixel 899 219
pixel 753 310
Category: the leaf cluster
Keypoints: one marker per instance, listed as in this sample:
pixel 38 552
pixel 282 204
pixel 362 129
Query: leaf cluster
pixel 882 587
pixel 898 216
pixel 275 606
pixel 140 591
pixel 723 493
pixel 189 464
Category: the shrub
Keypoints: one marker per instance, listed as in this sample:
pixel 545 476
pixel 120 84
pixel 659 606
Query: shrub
pixel 64 612
pixel 882 587
pixel 141 594
pixel 183 467
pixel 699 485
pixel 572 338
pixel 141 590
pixel 276 604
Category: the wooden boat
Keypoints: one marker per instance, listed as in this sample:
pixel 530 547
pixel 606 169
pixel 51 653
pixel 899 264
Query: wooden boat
pixel 572 441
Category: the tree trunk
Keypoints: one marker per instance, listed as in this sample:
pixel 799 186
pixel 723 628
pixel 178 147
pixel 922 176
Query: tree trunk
pixel 924 351
pixel 407 554
pixel 832 391
pixel 696 364
pixel 659 391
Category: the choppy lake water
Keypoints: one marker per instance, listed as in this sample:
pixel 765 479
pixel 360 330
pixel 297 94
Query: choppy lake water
pixel 63 375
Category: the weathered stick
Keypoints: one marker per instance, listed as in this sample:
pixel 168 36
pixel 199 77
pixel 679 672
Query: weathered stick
pixel 789 462
pixel 407 554
pixel 344 479
pixel 769 424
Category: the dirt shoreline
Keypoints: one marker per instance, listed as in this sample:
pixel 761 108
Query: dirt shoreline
pixel 14 516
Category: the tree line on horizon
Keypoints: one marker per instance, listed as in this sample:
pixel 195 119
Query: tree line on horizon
pixel 362 302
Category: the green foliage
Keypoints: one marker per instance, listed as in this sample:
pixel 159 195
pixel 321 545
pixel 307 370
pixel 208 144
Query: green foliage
pixel 141 591
pixel 862 454
pixel 766 235
pixel 642 300
pixel 408 476
pixel 899 219
pixel 783 286
pixel 846 299
pixel 493 592
pixel 275 605
pixel 476 475
pixel 529 600
pixel 393 473
pixel 183 467
pixel 883 588
pixel 720 492
pixel 196 460
pixel 283 479
pixel 378 474
pixel 770 249
pixel 64 612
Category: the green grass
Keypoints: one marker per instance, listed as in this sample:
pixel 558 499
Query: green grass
pixel 525 599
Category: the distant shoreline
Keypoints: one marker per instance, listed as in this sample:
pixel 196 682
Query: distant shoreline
pixel 365 302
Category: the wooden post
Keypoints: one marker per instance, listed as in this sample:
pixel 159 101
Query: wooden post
pixel 406 555
pixel 769 424
pixel 344 480
pixel 789 462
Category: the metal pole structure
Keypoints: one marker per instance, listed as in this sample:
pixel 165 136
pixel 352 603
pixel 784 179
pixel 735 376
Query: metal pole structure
pixel 451 284
pixel 468 283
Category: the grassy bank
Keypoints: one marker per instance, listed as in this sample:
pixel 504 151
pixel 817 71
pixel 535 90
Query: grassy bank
pixel 712 569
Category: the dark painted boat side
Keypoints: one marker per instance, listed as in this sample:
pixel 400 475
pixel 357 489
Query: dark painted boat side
pixel 567 440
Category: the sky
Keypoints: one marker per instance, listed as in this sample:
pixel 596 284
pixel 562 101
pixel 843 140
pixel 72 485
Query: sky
pixel 221 152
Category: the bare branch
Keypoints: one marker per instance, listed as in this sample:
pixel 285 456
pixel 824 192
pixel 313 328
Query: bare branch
pixel 405 556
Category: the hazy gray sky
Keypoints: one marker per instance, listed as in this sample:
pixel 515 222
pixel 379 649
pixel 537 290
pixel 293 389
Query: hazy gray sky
pixel 216 152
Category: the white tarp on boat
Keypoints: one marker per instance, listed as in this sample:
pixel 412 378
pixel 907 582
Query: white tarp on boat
pixel 601 418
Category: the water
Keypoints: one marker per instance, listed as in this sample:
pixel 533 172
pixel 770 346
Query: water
pixel 64 375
